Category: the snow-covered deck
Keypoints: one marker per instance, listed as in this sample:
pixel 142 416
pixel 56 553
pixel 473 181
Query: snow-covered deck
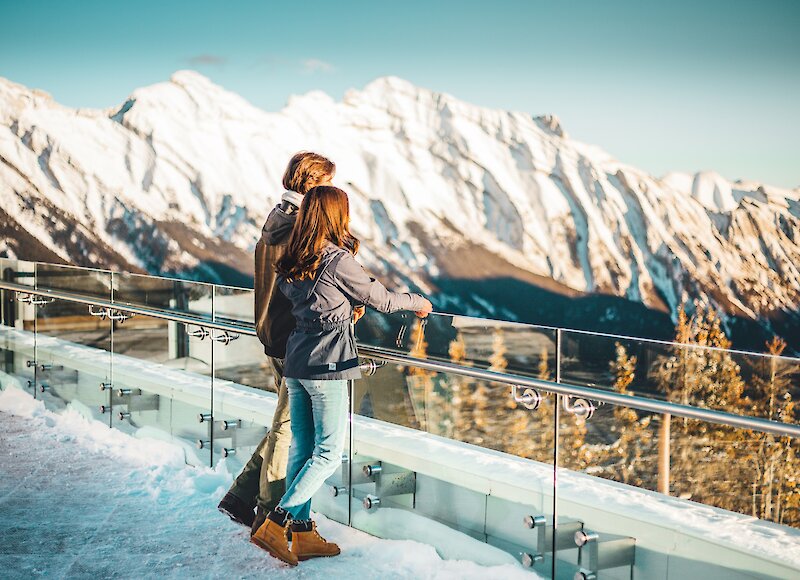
pixel 80 500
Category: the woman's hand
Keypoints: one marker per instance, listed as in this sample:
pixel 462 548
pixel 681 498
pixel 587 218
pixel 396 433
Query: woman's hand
pixel 358 312
pixel 425 311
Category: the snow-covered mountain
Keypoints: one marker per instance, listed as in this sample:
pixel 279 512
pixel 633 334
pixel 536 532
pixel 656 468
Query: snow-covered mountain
pixel 488 210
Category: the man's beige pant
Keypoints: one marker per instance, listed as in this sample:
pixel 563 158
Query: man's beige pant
pixel 263 480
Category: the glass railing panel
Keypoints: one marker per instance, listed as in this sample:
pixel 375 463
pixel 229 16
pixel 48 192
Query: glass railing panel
pixel 73 357
pixel 526 348
pixel 18 271
pixel 166 294
pixel 453 456
pixel 651 494
pixel 74 280
pixel 17 328
pixel 245 395
pixel 689 374
pixel 162 384
pixel 233 304
pixel 17 320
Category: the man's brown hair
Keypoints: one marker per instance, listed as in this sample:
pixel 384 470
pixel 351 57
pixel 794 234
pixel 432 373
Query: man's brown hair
pixel 307 170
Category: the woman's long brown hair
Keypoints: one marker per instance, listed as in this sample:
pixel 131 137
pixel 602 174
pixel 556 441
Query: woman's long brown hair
pixel 324 217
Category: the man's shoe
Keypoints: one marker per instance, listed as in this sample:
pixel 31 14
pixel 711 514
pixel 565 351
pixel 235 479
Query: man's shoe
pixel 271 536
pixel 307 543
pixel 237 510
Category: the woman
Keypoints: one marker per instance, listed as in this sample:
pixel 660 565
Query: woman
pixel 322 279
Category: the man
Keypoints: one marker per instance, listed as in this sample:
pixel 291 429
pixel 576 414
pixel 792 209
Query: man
pixel 262 482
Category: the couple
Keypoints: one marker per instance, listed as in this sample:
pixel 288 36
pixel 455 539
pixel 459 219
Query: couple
pixel 309 292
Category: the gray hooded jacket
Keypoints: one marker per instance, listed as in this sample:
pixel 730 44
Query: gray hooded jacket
pixel 323 345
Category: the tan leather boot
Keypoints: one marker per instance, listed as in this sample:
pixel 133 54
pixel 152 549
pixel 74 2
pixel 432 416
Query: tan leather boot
pixel 271 536
pixel 307 543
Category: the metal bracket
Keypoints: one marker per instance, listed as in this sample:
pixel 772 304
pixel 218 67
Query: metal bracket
pixel 387 484
pixel 33 300
pixel 595 554
pixel 530 398
pixel 225 338
pixel 119 315
pixel 201 333
pixel 136 400
pixel 370 366
pixel 564 537
pixel 102 313
pixel 582 409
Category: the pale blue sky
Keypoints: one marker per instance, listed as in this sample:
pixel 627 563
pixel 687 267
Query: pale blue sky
pixel 671 85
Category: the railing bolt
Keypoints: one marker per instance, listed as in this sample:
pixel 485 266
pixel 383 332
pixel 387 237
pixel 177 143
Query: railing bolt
pixel 582 538
pixel 528 560
pixel 124 415
pixel 370 470
pixel 228 425
pixel 227 452
pixel 534 521
pixel 45 368
pixel 203 417
pixel 337 490
pixel 371 502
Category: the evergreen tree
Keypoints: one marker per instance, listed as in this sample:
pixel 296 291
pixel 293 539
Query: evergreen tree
pixel 774 473
pixel 626 458
pixel 702 372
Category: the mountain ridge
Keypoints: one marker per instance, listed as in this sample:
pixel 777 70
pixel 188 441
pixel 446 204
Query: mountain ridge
pixel 428 174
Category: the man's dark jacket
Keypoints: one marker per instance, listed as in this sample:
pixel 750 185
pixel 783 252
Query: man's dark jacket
pixel 273 311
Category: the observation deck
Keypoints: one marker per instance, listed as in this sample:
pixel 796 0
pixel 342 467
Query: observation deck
pixel 574 454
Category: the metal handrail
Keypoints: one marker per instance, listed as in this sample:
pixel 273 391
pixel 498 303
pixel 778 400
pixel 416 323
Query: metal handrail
pixel 611 397
pixel 240 328
pixel 690 346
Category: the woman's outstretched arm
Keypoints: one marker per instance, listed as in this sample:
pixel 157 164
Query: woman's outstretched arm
pixel 356 283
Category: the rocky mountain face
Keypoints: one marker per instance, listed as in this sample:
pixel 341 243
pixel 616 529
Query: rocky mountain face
pixel 492 212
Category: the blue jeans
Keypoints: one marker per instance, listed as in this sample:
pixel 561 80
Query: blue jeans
pixel 319 424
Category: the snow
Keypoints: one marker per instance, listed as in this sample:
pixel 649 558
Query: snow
pixel 616 504
pixel 80 499
pixel 187 150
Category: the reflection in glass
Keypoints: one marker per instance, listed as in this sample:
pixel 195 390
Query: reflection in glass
pixel 179 296
pixel 74 280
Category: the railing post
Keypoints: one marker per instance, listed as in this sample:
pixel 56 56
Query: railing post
pixel 556 421
pixel 664 445
pixel 9 308
pixel 213 379
pixel 110 385
pixel 351 408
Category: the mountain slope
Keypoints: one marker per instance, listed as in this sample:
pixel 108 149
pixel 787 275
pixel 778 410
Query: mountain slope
pixel 180 177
